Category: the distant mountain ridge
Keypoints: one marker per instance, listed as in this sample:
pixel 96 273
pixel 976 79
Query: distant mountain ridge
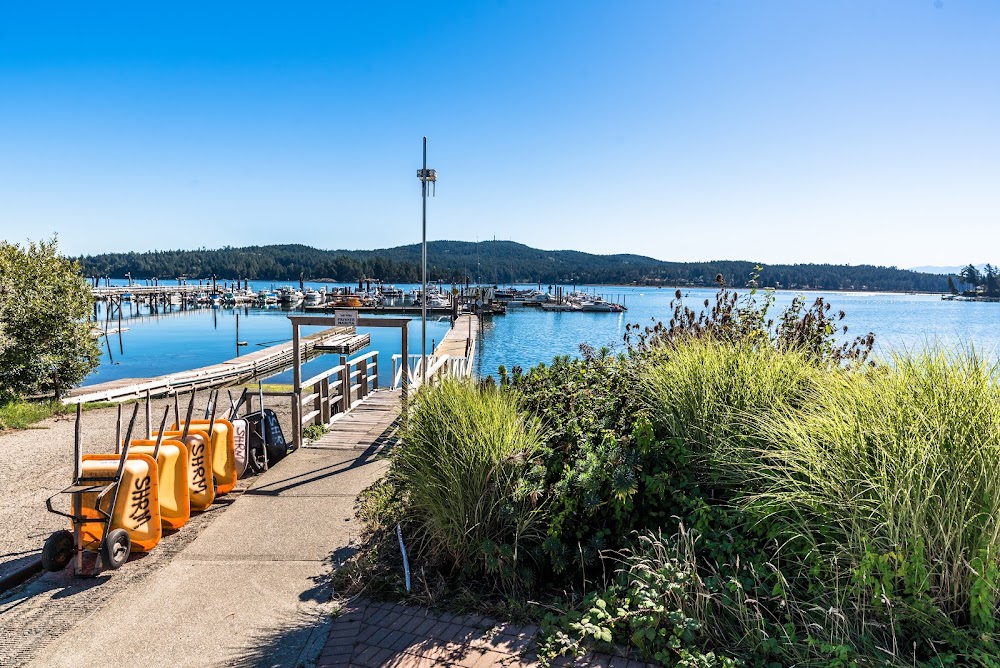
pixel 492 262
pixel 953 271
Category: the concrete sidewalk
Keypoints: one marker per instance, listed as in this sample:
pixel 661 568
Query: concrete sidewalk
pixel 252 589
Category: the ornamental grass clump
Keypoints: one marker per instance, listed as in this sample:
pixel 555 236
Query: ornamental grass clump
pixel 459 469
pixel 698 390
pixel 894 475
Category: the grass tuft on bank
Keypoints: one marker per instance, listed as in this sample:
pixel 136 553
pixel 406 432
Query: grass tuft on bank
pixel 26 413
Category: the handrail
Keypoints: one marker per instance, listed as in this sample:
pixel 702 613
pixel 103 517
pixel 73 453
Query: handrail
pixel 373 353
pixel 322 375
pixel 437 366
pixel 434 368
pixel 330 393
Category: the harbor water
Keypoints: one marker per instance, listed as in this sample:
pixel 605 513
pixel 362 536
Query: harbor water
pixel 180 340
pixel 901 322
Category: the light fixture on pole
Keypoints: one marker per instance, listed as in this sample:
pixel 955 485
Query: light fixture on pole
pixel 426 176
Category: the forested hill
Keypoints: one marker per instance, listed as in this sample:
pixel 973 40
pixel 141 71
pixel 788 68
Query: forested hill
pixel 499 262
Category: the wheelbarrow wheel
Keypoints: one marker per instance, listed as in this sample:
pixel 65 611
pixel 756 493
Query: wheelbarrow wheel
pixel 58 551
pixel 115 548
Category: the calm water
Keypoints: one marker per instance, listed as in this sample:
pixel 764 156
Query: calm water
pixel 526 336
pixel 182 340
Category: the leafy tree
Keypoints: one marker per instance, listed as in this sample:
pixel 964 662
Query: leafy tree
pixel 951 286
pixel 45 340
pixel 990 280
pixel 971 276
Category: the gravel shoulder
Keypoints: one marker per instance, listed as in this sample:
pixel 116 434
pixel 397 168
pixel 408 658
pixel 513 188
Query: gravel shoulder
pixel 37 463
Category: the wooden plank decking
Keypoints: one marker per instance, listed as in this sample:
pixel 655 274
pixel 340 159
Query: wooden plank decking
pixel 460 341
pixel 370 422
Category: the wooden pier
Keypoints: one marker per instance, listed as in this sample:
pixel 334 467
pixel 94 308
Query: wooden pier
pixel 260 363
pixel 371 422
pixel 408 309
pixel 109 291
pixel 460 341
pixel 455 356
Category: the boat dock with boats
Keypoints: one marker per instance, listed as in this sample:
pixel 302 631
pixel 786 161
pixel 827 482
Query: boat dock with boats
pixel 368 297
pixel 557 299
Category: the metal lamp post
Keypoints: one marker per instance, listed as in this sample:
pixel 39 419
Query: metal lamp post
pixel 426 176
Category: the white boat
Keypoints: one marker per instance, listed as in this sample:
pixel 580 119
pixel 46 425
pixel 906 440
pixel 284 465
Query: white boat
pixel 266 297
pixel 289 295
pixel 312 297
pixel 537 297
pixel 598 305
pixel 438 301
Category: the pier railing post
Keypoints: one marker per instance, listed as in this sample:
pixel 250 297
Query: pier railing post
pixel 375 369
pixel 345 384
pixel 317 389
pixel 363 378
pixel 296 419
pixel 296 386
pixel 324 398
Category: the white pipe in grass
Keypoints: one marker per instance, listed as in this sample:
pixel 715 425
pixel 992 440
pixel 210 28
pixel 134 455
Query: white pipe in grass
pixel 406 561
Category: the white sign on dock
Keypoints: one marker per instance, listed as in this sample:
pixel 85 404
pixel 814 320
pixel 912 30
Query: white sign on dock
pixel 343 318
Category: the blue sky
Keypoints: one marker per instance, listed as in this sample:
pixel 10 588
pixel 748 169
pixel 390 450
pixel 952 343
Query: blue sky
pixel 793 131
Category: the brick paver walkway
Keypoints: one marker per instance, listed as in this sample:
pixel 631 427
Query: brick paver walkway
pixel 369 634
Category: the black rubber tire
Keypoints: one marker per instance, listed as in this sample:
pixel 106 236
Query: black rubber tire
pixel 115 549
pixel 58 550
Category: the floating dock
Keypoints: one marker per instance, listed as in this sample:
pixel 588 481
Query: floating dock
pixel 409 309
pixel 264 362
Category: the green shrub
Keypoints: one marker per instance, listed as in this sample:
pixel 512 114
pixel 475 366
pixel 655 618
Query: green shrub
pixel 818 510
pixel 657 603
pixel 460 470
pixel 46 344
pixel 314 432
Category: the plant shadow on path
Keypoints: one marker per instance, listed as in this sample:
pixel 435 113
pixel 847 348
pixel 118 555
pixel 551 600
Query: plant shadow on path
pixel 299 639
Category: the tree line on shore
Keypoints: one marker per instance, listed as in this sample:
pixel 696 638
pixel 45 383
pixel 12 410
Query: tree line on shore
pixel 972 280
pixel 492 262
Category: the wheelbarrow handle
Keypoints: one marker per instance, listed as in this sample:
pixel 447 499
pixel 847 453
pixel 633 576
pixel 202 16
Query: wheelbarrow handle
pixel 48 505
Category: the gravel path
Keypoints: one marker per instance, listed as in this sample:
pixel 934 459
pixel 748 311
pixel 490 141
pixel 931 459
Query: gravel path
pixel 37 463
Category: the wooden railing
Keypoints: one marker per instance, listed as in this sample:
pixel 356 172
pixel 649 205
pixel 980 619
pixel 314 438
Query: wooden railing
pixel 330 393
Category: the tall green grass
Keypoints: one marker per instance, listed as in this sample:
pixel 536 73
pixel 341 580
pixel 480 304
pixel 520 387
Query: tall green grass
pixel 699 390
pixel 463 454
pixel 878 488
pixel 895 472
pixel 19 413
